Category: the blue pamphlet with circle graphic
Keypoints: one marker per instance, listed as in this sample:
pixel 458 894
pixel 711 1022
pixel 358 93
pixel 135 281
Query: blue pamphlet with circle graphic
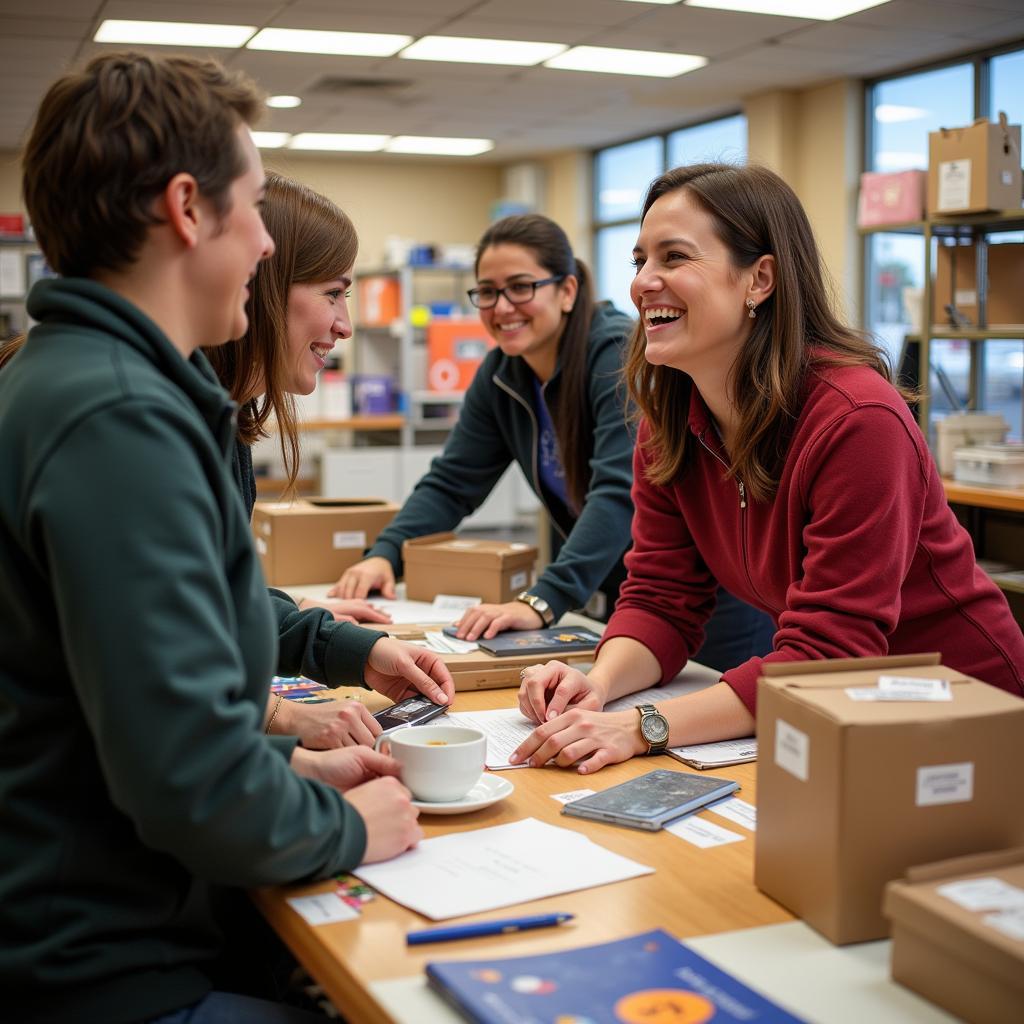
pixel 646 979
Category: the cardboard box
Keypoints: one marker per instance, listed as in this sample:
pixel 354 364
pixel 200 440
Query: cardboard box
pixel 961 945
pixel 850 793
pixel 316 539
pixel 963 429
pixel 441 563
pixel 890 198
pixel 956 283
pixel 974 169
pixel 455 348
pixel 479 670
pixel 380 301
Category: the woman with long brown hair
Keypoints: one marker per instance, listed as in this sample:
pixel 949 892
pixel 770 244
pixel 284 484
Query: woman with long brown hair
pixel 549 397
pixel 296 313
pixel 776 458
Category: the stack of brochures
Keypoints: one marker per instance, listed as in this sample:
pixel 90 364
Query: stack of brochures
pixel 648 977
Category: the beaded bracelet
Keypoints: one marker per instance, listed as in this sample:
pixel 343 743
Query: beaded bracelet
pixel 273 714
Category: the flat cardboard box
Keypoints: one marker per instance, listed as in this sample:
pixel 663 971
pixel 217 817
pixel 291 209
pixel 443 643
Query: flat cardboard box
pixel 851 792
pixel 956 283
pixel 952 954
pixel 479 670
pixel 441 563
pixel 974 169
pixel 455 349
pixel 314 539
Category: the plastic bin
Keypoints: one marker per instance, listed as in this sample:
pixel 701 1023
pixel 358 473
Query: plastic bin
pixel 961 429
pixel 991 465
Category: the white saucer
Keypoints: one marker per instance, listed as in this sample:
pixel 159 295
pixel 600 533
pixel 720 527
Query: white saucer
pixel 487 790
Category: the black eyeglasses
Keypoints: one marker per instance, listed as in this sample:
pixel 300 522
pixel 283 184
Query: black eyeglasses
pixel 518 292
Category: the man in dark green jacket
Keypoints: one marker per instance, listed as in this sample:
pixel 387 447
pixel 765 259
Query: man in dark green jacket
pixel 136 637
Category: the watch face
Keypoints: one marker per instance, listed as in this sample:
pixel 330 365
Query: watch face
pixel 654 728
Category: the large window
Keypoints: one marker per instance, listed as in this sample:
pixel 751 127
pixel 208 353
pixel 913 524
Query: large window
pixel 901 113
pixel 621 176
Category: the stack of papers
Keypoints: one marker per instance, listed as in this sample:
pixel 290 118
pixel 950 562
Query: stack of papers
pixel 469 872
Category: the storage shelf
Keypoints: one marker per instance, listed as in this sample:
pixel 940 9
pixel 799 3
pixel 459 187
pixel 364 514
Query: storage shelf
pixel 390 422
pixel 1003 498
pixel 1004 332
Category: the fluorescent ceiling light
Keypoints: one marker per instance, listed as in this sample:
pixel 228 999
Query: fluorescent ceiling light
pixel 457 49
pixel 339 142
pixel 893 113
pixel 652 1
pixel 819 10
pixel 173 33
pixel 270 140
pixel 438 146
pixel 284 102
pixel 626 62
pixel 347 44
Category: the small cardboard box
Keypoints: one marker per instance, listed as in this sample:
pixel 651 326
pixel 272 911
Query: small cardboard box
pixel 313 540
pixel 455 348
pixel 441 563
pixel 974 169
pixel 852 792
pixel 380 301
pixel 956 283
pixel 963 429
pixel 890 198
pixel 958 935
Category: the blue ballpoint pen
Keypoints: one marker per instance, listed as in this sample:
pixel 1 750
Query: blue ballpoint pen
pixel 473 931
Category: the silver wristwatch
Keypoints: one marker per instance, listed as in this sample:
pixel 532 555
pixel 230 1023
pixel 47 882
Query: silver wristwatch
pixel 653 728
pixel 539 605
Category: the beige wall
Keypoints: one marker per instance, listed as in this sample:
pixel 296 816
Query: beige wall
pixel 814 139
pixel 10 182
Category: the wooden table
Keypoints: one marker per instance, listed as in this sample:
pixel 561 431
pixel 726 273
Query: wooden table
pixel 692 892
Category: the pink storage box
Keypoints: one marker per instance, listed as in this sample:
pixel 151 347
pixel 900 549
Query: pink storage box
pixel 890 198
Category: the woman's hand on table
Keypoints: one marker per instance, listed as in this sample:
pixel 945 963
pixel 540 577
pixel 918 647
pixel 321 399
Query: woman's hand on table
pixel 334 723
pixel 398 670
pixel 355 610
pixel 547 690
pixel 389 816
pixel 345 768
pixel 360 579
pixel 488 620
pixel 592 739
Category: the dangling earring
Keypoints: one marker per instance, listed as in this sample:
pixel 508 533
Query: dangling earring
pixel 751 308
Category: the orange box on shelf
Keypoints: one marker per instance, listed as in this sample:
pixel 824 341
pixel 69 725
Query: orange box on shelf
pixel 455 348
pixel 380 301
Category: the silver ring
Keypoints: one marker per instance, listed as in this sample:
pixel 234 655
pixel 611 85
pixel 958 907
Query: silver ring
pixel 523 671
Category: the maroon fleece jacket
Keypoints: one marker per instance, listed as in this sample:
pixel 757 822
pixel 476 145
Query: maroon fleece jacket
pixel 858 554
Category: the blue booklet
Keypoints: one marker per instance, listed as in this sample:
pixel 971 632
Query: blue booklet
pixel 556 640
pixel 648 977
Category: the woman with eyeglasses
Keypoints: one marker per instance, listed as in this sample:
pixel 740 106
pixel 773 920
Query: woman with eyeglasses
pixel 549 397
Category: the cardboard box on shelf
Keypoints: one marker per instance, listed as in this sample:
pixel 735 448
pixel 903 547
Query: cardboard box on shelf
pixel 974 169
pixel 956 283
pixel 455 348
pixel 890 198
pixel 315 539
pixel 380 301
pixel 441 563
pixel 990 465
pixel 958 934
pixel 852 791
pixel 963 429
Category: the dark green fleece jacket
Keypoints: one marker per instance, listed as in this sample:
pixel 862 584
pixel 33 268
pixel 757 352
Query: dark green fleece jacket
pixel 498 426
pixel 136 648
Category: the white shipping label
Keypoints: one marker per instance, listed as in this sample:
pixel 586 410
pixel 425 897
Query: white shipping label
pixel 913 688
pixel 1009 923
pixel 954 185
pixel 518 581
pixel 735 809
pixel 1006 177
pixel 988 893
pixel 261 545
pixel 349 539
pixel 965 297
pixel 266 529
pixel 322 908
pixel 703 833
pixel 945 784
pixel 461 545
pixel 792 750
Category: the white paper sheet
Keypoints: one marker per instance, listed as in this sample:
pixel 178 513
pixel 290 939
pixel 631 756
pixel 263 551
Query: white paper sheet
pixel 703 833
pixel 716 755
pixel 469 872
pixel 735 809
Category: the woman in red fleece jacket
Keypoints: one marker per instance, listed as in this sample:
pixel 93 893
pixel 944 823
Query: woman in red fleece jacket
pixel 775 458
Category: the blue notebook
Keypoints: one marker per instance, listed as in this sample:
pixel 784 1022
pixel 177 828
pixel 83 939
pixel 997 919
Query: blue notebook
pixel 645 977
pixel 556 640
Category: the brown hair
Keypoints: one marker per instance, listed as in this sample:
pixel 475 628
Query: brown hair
pixel 109 137
pixel 754 213
pixel 314 242
pixel 572 418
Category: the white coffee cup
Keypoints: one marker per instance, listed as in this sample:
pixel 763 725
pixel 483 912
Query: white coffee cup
pixel 439 763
